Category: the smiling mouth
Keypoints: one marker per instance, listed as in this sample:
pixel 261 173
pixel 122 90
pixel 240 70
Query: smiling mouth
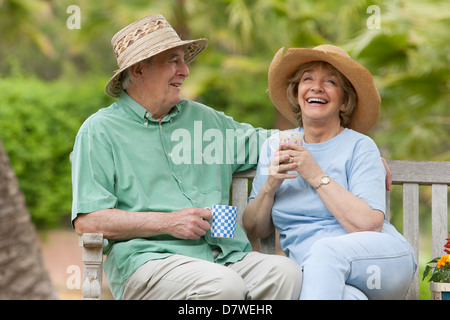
pixel 316 100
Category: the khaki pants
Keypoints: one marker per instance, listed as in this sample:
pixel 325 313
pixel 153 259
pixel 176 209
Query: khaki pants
pixel 257 276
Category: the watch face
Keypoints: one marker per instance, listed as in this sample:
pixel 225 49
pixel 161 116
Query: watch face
pixel 325 180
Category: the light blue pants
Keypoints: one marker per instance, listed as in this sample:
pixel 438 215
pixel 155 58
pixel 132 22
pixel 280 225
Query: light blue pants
pixel 360 265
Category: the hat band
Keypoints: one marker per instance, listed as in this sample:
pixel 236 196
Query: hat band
pixel 146 45
pixel 138 33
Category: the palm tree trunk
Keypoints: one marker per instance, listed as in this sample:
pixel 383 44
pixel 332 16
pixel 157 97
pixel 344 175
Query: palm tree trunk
pixel 22 272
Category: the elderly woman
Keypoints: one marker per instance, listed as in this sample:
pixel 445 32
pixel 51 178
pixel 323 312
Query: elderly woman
pixel 326 197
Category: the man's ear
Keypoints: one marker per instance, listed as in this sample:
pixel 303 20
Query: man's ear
pixel 137 70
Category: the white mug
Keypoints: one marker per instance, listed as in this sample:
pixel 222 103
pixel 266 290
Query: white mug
pixel 294 137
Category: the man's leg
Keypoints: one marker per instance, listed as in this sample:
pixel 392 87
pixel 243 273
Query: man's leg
pixel 180 277
pixel 269 277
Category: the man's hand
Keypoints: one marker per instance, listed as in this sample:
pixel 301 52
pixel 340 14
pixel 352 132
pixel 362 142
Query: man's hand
pixel 190 223
pixel 388 175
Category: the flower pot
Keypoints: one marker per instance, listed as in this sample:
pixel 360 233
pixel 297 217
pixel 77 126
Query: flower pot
pixel 440 290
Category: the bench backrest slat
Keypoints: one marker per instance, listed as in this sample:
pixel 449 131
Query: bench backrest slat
pixel 421 172
pixel 439 217
pixel 411 227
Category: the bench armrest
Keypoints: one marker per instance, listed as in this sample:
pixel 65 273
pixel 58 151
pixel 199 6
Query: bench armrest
pixel 92 244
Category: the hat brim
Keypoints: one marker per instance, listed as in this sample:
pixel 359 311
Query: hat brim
pixel 192 49
pixel 283 66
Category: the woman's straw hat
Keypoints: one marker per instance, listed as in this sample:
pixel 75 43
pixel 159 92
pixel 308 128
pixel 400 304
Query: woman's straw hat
pixel 283 66
pixel 146 38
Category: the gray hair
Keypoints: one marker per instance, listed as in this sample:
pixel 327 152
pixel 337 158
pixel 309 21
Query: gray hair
pixel 127 78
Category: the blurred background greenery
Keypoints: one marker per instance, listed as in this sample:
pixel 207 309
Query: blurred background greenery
pixel 52 77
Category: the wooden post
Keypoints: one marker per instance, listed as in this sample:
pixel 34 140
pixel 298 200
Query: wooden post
pixel 92 244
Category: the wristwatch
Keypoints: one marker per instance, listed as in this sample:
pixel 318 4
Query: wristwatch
pixel 324 180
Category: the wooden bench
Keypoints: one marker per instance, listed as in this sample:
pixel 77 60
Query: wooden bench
pixel 410 174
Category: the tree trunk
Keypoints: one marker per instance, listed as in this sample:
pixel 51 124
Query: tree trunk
pixel 22 272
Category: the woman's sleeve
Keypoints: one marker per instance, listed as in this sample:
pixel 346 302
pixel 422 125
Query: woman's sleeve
pixel 367 176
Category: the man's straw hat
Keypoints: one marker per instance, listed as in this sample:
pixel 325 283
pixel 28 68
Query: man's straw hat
pixel 283 66
pixel 146 38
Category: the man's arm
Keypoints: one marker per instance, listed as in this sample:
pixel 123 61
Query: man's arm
pixel 190 223
pixel 388 175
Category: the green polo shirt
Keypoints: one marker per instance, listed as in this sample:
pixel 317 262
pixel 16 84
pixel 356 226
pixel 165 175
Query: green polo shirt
pixel 124 159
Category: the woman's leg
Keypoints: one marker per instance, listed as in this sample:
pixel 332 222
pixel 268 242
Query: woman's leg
pixel 379 265
pixel 351 293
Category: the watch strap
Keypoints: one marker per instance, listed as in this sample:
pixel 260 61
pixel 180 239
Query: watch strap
pixel 322 182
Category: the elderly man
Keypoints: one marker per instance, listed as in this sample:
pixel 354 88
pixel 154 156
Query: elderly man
pixel 142 178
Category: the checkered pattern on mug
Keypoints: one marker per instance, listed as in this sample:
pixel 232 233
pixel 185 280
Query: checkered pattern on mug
pixel 224 221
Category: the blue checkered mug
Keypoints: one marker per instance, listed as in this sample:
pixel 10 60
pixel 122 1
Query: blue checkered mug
pixel 224 221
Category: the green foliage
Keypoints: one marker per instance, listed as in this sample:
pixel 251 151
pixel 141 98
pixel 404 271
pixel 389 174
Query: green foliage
pixel 440 271
pixel 39 121
pixel 441 274
pixel 409 58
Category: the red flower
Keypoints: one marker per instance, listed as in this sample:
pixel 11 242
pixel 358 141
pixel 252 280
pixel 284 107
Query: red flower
pixel 447 245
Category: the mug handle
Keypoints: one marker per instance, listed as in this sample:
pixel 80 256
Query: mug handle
pixel 270 143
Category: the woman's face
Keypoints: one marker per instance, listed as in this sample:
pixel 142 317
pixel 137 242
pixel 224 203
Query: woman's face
pixel 320 96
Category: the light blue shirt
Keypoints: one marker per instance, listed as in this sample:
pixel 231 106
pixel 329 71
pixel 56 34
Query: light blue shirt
pixel 352 160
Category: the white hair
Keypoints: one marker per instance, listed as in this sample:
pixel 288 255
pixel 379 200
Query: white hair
pixel 127 78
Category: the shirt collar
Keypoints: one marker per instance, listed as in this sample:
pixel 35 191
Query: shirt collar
pixel 141 112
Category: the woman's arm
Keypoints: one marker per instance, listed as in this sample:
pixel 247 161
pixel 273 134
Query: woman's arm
pixel 353 213
pixel 257 218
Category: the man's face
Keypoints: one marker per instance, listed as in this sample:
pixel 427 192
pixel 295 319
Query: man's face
pixel 163 78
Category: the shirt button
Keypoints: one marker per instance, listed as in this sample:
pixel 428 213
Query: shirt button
pixel 170 155
pixel 147 114
pixel 145 123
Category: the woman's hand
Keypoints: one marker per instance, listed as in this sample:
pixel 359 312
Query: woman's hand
pixel 278 171
pixel 257 217
pixel 306 166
